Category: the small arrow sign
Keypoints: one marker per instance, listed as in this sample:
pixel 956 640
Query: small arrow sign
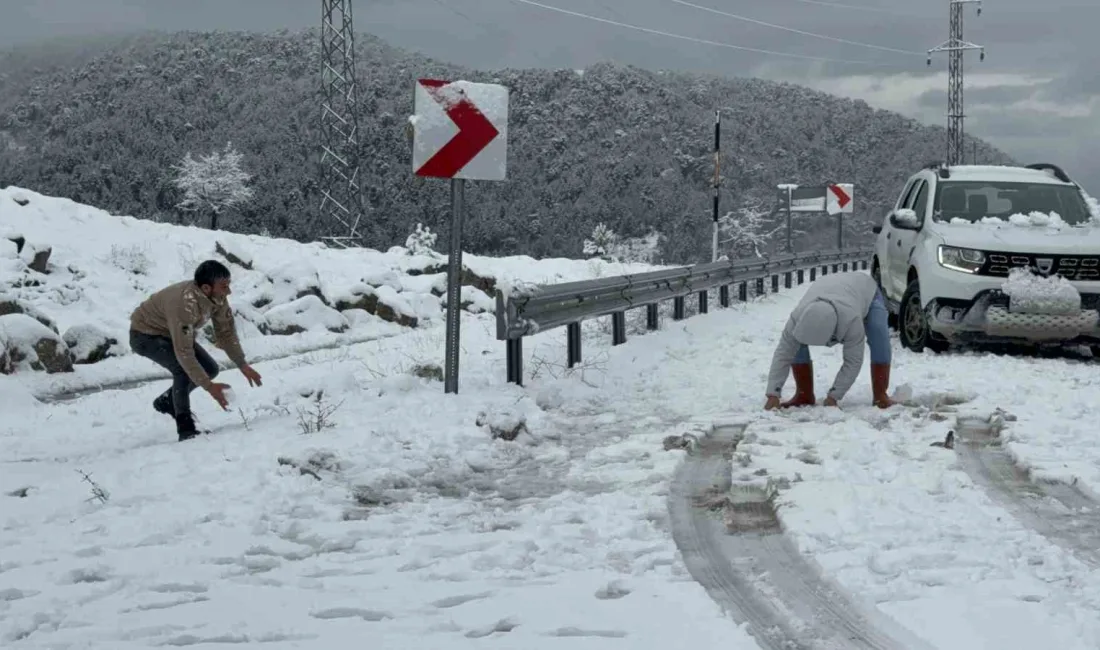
pixel 460 130
pixel 839 199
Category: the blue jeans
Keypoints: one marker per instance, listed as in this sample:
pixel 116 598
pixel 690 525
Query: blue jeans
pixel 878 334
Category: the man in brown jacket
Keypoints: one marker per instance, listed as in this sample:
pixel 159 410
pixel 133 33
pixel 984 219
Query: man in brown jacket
pixel 163 329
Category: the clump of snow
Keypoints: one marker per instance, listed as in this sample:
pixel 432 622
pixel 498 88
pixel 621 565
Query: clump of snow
pixel 234 253
pixel 305 314
pixel 1051 220
pixel 1034 294
pixel 8 249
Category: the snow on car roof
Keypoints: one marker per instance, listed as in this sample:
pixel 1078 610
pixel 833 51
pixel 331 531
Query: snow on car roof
pixel 1003 173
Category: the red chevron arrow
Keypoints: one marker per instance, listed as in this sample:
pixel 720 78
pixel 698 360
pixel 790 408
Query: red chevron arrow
pixel 475 131
pixel 842 198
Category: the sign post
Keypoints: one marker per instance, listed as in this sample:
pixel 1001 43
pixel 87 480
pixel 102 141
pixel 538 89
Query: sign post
pixel 717 181
pixel 838 201
pixel 832 198
pixel 460 132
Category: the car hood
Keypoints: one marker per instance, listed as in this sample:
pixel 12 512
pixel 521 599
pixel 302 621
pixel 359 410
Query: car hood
pixel 1007 238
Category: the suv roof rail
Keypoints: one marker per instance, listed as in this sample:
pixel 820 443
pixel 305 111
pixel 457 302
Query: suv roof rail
pixel 941 168
pixel 1052 168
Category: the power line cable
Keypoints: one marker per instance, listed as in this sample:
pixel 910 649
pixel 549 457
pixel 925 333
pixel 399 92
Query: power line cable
pixel 797 31
pixel 701 41
pixel 841 5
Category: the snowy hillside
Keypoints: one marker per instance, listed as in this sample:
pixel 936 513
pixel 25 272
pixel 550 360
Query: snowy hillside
pixel 287 296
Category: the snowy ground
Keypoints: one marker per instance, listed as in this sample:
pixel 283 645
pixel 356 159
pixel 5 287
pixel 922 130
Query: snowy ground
pixel 412 527
pixel 349 503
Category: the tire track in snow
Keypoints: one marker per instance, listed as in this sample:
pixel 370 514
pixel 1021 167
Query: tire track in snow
pixel 733 545
pixel 1056 510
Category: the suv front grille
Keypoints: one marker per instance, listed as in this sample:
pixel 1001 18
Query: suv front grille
pixel 1070 267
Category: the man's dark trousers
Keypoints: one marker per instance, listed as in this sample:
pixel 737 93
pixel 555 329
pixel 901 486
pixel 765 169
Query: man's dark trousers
pixel 158 349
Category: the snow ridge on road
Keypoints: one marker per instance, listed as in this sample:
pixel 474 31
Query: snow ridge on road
pixel 734 546
pixel 1056 510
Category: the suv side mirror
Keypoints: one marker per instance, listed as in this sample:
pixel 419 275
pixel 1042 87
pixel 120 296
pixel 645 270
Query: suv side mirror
pixel 905 219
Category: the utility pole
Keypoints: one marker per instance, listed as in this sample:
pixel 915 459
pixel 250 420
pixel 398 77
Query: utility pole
pixel 341 195
pixel 955 46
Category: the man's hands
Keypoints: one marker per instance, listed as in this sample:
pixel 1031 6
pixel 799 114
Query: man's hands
pixel 251 375
pixel 217 391
pixel 830 401
pixel 772 403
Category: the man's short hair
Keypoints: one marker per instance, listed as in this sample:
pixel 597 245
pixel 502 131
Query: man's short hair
pixel 210 272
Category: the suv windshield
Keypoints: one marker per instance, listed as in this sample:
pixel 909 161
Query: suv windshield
pixel 975 200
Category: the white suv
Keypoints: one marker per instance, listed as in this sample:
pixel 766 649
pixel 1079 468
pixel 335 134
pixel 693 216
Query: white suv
pixel 946 251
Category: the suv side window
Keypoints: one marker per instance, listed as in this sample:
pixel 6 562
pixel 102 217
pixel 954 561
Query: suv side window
pixel 906 194
pixel 920 202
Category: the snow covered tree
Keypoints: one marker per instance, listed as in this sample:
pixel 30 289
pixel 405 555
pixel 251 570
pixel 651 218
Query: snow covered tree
pixel 214 182
pixel 421 241
pixel 600 242
pixel 746 231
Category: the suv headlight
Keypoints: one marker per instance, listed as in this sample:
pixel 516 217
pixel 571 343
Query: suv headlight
pixel 965 260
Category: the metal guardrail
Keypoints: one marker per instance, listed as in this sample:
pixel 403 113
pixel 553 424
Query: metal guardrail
pixel 530 311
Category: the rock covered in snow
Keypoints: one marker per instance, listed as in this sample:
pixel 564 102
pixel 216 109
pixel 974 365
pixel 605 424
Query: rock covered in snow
pixel 89 344
pixel 383 302
pixel 234 254
pixel 28 344
pixel 36 256
pixel 1031 293
pixel 307 313
pixel 9 304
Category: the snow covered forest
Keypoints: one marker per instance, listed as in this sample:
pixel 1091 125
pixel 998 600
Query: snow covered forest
pixel 108 122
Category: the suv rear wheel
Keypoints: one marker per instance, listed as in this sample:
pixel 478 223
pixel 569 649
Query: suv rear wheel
pixel 913 328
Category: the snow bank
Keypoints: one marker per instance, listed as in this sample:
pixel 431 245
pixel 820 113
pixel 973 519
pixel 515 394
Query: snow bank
pixel 1033 294
pixel 99 267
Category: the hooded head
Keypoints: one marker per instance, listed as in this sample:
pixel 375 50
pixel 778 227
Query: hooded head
pixel 816 324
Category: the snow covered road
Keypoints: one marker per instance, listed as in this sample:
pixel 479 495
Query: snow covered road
pixel 403 523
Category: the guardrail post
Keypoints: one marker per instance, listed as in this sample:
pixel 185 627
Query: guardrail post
pixel 743 292
pixel 863 264
pixel 618 328
pixel 724 295
pixel 813 273
pixel 759 286
pixel 801 277
pixel 824 269
pixel 678 308
pixel 515 361
pixel 775 283
pixel 836 268
pixel 703 306
pixel 573 343
pixel 787 280
pixel 845 267
pixel 652 317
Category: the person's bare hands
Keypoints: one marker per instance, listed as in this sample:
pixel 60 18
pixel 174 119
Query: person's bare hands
pixel 252 376
pixel 831 401
pixel 217 391
pixel 772 403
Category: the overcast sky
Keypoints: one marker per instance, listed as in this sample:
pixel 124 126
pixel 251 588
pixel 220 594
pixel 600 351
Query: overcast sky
pixel 1034 96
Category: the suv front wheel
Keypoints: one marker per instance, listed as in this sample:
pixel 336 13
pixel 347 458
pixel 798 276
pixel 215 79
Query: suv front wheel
pixel 913 328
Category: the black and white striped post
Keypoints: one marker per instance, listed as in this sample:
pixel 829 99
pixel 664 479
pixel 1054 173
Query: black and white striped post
pixel 717 177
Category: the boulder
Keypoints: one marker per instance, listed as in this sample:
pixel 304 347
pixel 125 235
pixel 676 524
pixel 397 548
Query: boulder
pixel 373 301
pixel 307 313
pixel 9 304
pixel 234 255
pixel 469 278
pixel 36 256
pixel 89 344
pixel 26 343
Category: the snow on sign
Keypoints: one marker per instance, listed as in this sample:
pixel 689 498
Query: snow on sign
pixel 460 130
pixel 838 199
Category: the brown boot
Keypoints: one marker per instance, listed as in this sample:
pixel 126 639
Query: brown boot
pixel 880 382
pixel 803 386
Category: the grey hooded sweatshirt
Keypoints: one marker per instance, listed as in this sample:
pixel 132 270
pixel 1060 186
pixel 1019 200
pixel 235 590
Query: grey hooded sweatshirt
pixel 831 312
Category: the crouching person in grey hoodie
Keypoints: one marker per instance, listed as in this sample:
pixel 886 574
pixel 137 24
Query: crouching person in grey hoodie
pixel 844 308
